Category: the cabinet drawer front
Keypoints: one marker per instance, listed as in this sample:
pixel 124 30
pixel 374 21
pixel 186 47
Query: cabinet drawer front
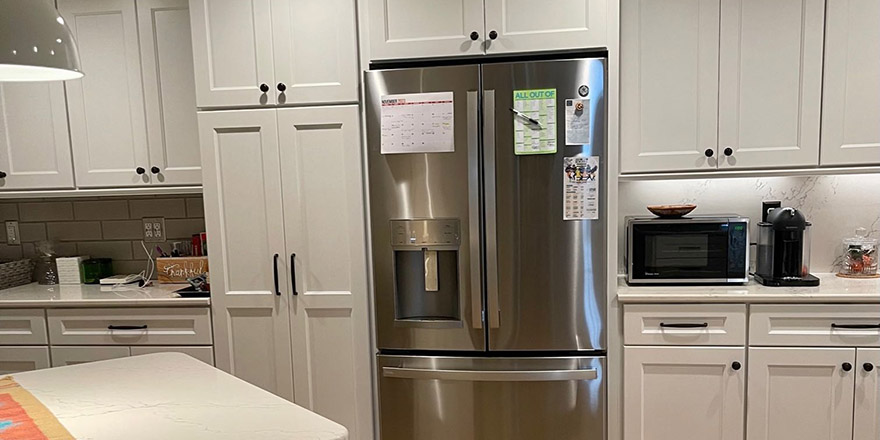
pixel 18 359
pixel 204 354
pixel 64 356
pixel 23 327
pixel 684 324
pixel 825 325
pixel 148 326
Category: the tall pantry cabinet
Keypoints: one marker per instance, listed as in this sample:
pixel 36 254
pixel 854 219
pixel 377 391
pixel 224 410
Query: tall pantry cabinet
pixel 283 188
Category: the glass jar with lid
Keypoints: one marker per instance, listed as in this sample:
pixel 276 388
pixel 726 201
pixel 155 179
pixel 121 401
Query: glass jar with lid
pixel 859 255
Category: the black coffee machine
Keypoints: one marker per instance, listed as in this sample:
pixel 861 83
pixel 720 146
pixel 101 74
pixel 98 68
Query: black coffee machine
pixel 783 247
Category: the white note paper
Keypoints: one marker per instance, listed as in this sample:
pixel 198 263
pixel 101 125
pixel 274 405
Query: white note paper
pixel 580 188
pixel 418 123
pixel 577 121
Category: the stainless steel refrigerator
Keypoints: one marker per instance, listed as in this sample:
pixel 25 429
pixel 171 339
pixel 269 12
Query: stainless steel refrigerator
pixel 489 262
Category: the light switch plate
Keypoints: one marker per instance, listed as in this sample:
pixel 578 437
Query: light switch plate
pixel 13 236
pixel 154 229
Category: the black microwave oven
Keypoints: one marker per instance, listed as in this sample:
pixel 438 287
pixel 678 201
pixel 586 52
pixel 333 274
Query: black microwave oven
pixel 687 250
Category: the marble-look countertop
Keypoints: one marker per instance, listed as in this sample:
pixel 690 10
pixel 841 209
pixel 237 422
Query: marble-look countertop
pixel 831 289
pixel 93 295
pixel 169 396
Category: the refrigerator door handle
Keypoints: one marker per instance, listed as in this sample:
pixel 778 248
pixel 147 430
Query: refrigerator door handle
pixel 473 141
pixel 490 375
pixel 493 308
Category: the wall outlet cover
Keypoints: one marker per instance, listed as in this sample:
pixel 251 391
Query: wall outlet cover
pixel 154 229
pixel 13 236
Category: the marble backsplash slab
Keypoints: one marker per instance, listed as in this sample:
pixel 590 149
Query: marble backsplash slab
pixel 835 205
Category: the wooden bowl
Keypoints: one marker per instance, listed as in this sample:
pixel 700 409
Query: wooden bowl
pixel 671 211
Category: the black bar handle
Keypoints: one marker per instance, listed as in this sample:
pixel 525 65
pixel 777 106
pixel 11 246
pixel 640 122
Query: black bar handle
pixel 126 327
pixel 855 326
pixel 685 325
pixel 275 274
pixel 293 273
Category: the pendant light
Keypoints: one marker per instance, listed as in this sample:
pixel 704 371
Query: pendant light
pixel 35 43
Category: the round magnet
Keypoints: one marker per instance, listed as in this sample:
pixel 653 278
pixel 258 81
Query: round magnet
pixel 583 90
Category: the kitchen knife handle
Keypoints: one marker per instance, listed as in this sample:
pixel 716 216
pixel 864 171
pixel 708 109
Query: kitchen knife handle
pixel 684 325
pixel 293 273
pixel 275 274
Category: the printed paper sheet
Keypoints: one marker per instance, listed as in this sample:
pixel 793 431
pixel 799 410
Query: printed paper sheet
pixel 581 188
pixel 577 121
pixel 418 123
pixel 534 121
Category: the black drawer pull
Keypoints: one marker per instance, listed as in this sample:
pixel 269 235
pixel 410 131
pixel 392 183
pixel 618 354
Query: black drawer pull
pixel 856 326
pixel 275 274
pixel 127 327
pixel 293 272
pixel 685 325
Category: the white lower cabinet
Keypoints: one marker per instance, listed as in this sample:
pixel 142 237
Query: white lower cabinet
pixel 18 359
pixel 283 199
pixel 63 356
pixel 204 354
pixel 673 393
pixel 866 423
pixel 801 393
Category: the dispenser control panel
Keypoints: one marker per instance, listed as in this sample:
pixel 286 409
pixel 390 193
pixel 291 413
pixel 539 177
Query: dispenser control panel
pixel 429 232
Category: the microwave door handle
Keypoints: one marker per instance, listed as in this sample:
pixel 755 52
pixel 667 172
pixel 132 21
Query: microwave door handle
pixel 490 375
pixel 493 308
pixel 473 142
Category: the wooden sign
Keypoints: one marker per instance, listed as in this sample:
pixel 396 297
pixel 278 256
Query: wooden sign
pixel 178 269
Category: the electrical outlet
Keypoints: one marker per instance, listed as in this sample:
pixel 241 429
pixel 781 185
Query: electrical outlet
pixel 154 229
pixel 13 236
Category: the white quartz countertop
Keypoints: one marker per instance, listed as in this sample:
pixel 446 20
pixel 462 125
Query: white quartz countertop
pixel 831 289
pixel 169 396
pixel 93 295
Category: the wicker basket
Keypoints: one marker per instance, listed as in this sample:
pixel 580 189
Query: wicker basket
pixel 16 273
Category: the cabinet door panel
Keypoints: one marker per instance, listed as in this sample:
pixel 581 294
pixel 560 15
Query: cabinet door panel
pixel 18 359
pixel 560 24
pixel 107 105
pixel 673 393
pixel 866 423
pixel 169 91
pixel 63 356
pixel 242 188
pixel 851 94
pixel 800 394
pixel 325 228
pixel 232 52
pixel 424 28
pixel 771 79
pixel 315 49
pixel 669 84
pixel 34 142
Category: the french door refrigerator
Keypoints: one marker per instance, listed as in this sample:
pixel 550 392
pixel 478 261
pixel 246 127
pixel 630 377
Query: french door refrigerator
pixel 487 211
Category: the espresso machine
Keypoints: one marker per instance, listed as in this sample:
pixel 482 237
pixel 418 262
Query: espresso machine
pixel 783 248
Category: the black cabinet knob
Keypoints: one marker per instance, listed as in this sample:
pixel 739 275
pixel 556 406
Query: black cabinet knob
pixel 140 170
pixel 475 35
pixel 2 174
pixel 155 170
pixel 264 88
pixel 281 87
pixel 736 365
pixel 709 152
pixel 868 367
pixel 846 366
pixel 493 35
pixel 728 151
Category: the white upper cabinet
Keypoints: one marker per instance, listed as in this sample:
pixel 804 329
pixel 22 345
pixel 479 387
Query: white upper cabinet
pixel 232 50
pixel 851 94
pixel 801 393
pixel 34 143
pixel 770 83
pixel 526 25
pixel 324 226
pixel 265 52
pixel 242 189
pixel 315 48
pixel 675 393
pixel 669 84
pixel 169 92
pixel 425 28
pixel 106 106
pixel 400 29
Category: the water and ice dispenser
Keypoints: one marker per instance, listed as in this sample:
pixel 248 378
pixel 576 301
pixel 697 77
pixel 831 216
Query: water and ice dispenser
pixel 426 270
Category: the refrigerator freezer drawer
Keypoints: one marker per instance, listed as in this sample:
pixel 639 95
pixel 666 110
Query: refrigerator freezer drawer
pixel 464 398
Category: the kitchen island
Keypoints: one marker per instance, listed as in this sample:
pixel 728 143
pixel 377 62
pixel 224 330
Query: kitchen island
pixel 168 396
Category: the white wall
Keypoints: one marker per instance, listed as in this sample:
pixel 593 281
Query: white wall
pixel 836 205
